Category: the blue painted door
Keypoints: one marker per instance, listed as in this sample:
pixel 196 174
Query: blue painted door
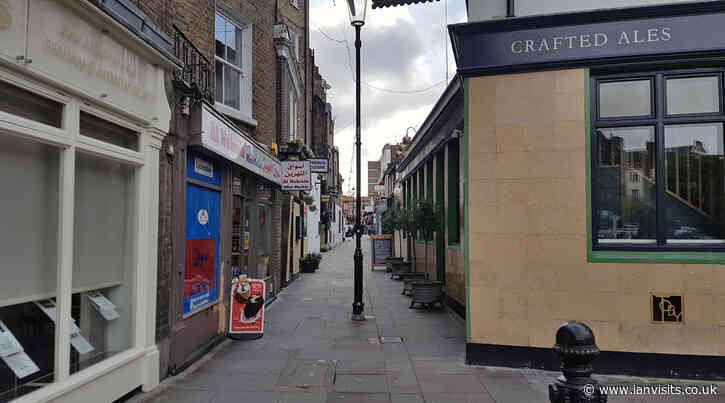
pixel 201 277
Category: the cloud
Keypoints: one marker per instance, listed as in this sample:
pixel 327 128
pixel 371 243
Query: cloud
pixel 403 49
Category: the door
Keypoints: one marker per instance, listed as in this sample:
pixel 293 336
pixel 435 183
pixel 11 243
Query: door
pixel 201 275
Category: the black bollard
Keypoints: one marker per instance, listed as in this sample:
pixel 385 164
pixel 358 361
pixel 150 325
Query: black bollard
pixel 576 349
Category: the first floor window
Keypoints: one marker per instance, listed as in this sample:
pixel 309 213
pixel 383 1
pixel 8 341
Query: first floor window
pixel 232 64
pixel 659 170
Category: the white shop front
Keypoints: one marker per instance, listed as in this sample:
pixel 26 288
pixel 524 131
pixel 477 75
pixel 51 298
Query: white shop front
pixel 83 112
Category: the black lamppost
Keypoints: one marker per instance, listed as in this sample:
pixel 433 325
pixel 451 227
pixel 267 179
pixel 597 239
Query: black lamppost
pixel 357 19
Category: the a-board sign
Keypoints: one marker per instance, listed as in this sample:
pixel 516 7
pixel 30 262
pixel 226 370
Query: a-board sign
pixel 382 248
pixel 247 306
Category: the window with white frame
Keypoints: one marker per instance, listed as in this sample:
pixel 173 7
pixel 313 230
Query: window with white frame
pixel 292 116
pixel 233 66
pixel 76 181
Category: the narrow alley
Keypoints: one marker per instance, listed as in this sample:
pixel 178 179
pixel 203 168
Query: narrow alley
pixel 312 352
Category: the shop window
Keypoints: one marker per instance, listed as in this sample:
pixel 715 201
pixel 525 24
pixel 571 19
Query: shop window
pixel 233 67
pixel 103 259
pixel 625 98
pixel 29 262
pixel 454 177
pixel 29 105
pixel 99 129
pixel 693 95
pixel 659 181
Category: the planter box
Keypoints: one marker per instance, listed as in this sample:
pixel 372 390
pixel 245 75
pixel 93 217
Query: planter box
pixel 426 293
pixel 389 263
pixel 307 267
pixel 399 269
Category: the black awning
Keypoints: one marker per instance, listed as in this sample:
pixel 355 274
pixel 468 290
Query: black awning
pixel 393 3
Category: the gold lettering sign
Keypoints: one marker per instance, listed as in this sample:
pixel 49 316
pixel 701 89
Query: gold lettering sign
pixel 5 18
pixel 667 308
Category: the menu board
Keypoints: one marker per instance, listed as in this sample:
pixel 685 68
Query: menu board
pixel 382 248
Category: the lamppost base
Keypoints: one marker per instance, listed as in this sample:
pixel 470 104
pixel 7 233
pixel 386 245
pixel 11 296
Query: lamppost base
pixel 358 309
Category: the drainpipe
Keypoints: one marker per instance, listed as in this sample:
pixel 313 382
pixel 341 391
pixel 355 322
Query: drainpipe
pixel 510 9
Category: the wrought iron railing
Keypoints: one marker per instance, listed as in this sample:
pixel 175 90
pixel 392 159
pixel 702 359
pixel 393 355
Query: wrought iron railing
pixel 196 72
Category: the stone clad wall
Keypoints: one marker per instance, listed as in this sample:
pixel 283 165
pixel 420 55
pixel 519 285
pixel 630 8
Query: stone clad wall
pixel 528 237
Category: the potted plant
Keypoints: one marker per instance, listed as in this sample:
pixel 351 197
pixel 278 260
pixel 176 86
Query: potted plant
pixel 310 262
pixel 427 221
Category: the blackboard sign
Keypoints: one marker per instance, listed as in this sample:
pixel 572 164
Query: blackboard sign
pixel 382 248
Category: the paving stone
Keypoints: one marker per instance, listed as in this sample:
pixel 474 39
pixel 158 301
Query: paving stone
pixel 403 383
pixel 240 364
pixel 360 367
pixel 175 395
pixel 509 386
pixel 306 374
pixel 406 398
pixel 455 383
pixel 358 398
pixel 361 383
pixel 214 380
pixel 462 398
pixel 423 367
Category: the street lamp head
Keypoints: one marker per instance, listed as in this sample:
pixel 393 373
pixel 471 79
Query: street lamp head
pixel 357 11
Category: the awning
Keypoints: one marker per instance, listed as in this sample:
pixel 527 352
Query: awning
pixel 393 3
pixel 216 134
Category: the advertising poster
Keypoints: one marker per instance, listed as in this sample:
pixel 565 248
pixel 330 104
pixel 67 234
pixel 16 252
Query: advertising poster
pixel 296 175
pixel 199 277
pixel 247 306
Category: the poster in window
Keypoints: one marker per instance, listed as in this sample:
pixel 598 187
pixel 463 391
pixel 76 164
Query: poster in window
pixel 199 277
pixel 247 305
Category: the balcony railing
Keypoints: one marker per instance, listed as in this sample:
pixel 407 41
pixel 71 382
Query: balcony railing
pixel 196 72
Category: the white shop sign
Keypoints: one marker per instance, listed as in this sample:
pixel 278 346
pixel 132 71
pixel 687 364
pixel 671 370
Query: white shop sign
pixel 318 165
pixel 296 175
pixel 62 45
pixel 225 140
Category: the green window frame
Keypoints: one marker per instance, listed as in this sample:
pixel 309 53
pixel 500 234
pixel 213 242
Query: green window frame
pixel 659 251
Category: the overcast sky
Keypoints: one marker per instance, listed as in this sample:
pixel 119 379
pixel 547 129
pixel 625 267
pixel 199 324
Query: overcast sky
pixel 402 51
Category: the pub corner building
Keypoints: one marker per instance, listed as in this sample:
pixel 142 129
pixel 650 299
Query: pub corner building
pixel 593 155
pixel 84 111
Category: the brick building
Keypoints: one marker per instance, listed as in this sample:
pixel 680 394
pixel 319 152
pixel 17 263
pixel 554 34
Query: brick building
pixel 242 62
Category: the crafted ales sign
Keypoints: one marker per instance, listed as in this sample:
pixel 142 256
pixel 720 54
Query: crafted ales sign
pixel 587 38
pixel 296 175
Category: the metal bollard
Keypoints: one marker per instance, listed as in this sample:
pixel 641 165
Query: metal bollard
pixel 576 349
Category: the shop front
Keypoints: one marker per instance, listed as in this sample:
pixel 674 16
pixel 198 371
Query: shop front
pixel 83 113
pixel 224 209
pixel 593 156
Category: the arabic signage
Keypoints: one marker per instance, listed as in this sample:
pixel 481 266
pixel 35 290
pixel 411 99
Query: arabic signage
pixel 579 39
pixel 318 165
pixel 296 175
pixel 227 141
pixel 247 305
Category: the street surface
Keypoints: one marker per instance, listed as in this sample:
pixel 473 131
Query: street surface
pixel 312 352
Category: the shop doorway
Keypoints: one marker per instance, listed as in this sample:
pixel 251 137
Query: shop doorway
pixel 201 276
